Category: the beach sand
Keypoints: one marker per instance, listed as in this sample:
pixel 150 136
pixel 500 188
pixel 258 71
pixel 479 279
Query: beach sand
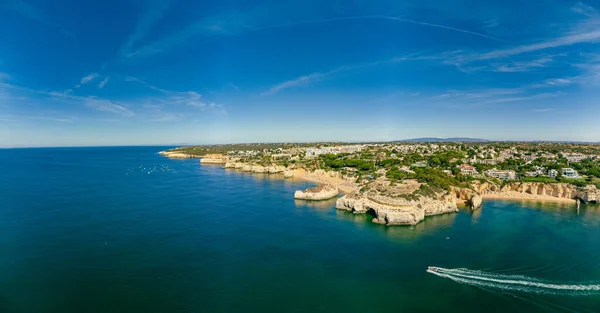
pixel 342 185
pixel 513 195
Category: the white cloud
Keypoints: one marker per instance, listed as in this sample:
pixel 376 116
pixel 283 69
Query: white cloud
pixel 524 66
pixel 88 78
pixel 107 106
pixel 521 98
pixel 584 9
pixel 103 82
pixel 559 81
pixel 296 82
pixel 187 98
pixel 4 77
pixel 34 13
pixel 151 13
pixel 568 40
pixel 259 19
pixel 543 110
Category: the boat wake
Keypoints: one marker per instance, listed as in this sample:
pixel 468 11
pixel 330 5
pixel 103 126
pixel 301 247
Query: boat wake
pixel 518 283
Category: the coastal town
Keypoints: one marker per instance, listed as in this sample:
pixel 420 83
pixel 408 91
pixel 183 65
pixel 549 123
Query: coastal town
pixel 402 183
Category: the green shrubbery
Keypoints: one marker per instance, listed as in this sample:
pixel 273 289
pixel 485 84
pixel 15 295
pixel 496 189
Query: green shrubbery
pixel 539 179
pixel 435 178
pixel 338 161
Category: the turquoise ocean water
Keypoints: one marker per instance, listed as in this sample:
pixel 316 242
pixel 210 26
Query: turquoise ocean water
pixel 126 230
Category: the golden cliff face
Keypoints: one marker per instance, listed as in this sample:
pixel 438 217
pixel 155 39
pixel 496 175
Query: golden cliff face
pixel 560 190
pixel 392 209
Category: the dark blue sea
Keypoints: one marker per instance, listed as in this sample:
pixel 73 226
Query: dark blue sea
pixel 123 229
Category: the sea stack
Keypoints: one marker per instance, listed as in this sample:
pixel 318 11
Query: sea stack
pixel 321 192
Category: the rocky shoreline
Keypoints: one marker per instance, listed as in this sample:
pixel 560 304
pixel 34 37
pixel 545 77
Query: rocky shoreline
pixel 321 192
pixel 177 155
pixel 400 205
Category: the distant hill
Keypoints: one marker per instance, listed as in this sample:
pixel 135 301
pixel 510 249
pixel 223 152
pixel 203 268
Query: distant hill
pixel 433 139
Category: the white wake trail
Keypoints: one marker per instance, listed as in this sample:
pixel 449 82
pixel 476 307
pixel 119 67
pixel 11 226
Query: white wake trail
pixel 514 282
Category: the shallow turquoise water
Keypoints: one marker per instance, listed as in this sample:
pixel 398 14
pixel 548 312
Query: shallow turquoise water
pixel 125 230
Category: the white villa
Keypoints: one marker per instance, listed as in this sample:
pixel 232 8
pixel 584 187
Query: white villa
pixel 570 173
pixel 501 174
pixel 467 169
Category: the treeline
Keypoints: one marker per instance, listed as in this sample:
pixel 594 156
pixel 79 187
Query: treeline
pixel 338 161
pixel 435 178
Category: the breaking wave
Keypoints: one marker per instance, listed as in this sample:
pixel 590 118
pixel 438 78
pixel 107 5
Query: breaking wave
pixel 517 283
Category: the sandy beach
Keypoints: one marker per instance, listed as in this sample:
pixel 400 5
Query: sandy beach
pixel 513 195
pixel 342 185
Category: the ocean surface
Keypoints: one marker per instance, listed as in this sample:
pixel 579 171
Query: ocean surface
pixel 126 230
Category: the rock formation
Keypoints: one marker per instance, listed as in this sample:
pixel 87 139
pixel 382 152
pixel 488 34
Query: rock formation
pixel 559 190
pixel 390 209
pixel 213 159
pixel 321 192
pixel 470 197
pixel 475 202
pixel 176 155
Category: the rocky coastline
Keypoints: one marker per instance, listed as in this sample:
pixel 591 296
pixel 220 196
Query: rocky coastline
pixel 388 211
pixel 177 155
pixel 402 204
pixel 321 192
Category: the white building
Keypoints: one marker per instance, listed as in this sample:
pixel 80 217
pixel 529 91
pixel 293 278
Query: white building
pixel 570 173
pixel 501 174
pixel 552 173
pixel 467 169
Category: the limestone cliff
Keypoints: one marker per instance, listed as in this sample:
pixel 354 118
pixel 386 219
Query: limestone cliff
pixel 321 192
pixel 213 159
pixel 470 197
pixel 273 169
pixel 176 155
pixel 558 190
pixel 389 209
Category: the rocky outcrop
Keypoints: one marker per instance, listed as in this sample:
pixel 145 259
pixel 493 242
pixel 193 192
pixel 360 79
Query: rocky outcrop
pixel 475 202
pixel 288 174
pixel 470 197
pixel 589 194
pixel 213 159
pixel 176 155
pixel 558 190
pixel 396 211
pixel 321 192
pixel 273 169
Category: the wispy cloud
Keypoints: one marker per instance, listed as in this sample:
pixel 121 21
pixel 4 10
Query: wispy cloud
pixel 4 77
pixel 299 81
pixel 88 78
pixel 584 9
pixel 589 37
pixel 103 82
pixel 137 80
pixel 175 98
pixel 520 98
pixel 543 110
pixel 235 23
pixel 478 94
pixel 32 12
pixel 525 65
pixel 485 97
pixel 107 106
pixel 307 80
pixel 560 81
pixel 152 11
pixel 33 96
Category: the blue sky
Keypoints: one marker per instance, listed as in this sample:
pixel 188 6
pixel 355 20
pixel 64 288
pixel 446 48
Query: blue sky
pixel 170 72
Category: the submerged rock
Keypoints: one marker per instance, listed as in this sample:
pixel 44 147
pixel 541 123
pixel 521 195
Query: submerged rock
pixel 321 192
